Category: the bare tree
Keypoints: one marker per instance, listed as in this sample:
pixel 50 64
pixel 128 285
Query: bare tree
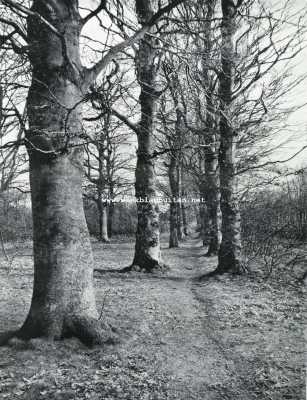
pixel 147 254
pixel 105 164
pixel 63 302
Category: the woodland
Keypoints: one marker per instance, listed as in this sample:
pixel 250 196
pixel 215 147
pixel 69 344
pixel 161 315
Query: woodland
pixel 153 199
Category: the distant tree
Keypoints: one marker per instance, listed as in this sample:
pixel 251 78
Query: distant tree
pixel 171 116
pixel 105 164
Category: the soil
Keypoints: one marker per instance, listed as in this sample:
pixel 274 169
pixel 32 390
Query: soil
pixel 228 337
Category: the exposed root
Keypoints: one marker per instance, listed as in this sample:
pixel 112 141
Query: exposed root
pixel 239 270
pixel 105 241
pixel 160 268
pixel 5 337
pixel 90 331
pixel 207 276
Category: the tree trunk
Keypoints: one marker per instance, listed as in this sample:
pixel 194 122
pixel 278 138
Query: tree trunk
pixel 103 219
pixel 172 174
pixel 212 191
pixel 63 302
pixel 229 256
pixel 110 218
pixel 184 219
pixel 204 234
pixel 179 215
pixel 147 255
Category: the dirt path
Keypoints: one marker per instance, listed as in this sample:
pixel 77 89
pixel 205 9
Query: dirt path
pixel 172 331
pixel 191 331
pixel 179 339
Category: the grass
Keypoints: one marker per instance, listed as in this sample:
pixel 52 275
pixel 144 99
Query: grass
pixel 237 338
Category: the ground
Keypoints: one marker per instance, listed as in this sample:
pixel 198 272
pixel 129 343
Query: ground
pixel 237 338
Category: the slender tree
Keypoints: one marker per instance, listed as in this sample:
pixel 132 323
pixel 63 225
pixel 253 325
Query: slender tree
pixel 211 139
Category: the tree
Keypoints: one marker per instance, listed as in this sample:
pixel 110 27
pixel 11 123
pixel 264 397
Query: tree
pixel 172 121
pixel 211 138
pixel 105 163
pixel 229 256
pixel 63 301
pixel 147 254
pixel 250 89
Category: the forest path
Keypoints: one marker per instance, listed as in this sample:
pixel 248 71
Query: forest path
pixel 172 330
pixel 232 338
pixel 204 336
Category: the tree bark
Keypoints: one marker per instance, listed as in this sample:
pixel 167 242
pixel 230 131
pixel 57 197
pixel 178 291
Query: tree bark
pixel 147 255
pixel 101 204
pixel 204 224
pixel 179 215
pixel 110 218
pixel 229 256
pixel 184 217
pixel 63 302
pixel 172 174
pixel 212 191
pixel 103 220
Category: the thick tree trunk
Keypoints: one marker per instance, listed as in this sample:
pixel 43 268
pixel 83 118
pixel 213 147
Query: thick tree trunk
pixel 63 302
pixel 147 255
pixel 229 256
pixel 172 174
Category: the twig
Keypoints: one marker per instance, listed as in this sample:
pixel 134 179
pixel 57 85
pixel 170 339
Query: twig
pixel 103 303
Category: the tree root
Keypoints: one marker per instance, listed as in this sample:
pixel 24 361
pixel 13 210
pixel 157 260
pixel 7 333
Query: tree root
pixel 160 268
pixel 105 241
pixel 5 337
pixel 219 271
pixel 90 331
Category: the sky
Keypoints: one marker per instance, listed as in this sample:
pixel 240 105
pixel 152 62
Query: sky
pixel 295 136
pixel 296 133
pixel 298 120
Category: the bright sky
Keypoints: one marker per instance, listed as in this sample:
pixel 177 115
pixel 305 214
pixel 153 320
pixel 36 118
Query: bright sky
pixel 298 120
pixel 297 130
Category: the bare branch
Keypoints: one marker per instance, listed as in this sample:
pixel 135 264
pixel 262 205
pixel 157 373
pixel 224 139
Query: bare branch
pixel 92 73
pixel 92 14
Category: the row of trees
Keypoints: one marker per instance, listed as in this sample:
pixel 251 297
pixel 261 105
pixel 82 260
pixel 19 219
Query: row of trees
pixel 202 80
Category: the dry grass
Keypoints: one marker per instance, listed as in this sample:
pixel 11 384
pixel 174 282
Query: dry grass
pixel 227 338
